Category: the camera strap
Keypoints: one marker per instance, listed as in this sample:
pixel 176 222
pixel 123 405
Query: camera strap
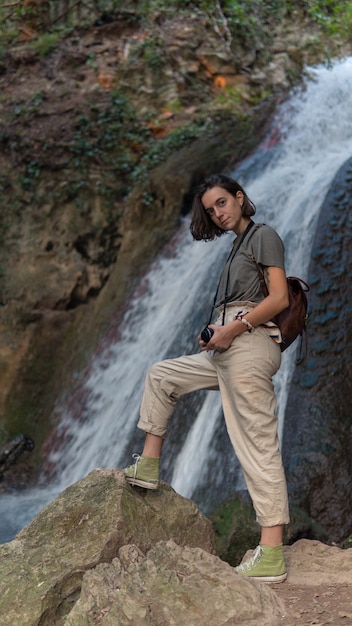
pixel 229 260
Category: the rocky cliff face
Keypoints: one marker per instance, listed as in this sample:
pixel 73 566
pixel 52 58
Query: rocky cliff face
pixel 317 436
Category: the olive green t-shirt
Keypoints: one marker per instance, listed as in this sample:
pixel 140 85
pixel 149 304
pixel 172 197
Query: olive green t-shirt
pixel 265 245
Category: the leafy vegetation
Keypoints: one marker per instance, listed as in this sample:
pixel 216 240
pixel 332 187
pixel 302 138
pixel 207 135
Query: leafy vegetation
pixel 118 139
pixel 110 133
pixel 245 19
pixel 44 44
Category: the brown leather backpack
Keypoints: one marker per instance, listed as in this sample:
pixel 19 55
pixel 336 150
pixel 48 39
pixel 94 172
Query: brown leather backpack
pixel 292 322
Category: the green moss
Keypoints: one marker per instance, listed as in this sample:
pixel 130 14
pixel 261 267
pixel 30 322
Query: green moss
pixel 236 530
pixel 302 526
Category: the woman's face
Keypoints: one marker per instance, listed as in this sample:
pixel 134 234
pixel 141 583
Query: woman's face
pixel 224 209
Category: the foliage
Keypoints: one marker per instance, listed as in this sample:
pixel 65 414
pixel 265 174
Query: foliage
pixel 347 543
pixel 152 52
pixel 334 16
pixel 25 109
pixel 107 134
pixel 246 20
pixel 111 134
pixel 45 43
pixel 175 140
pixel 30 175
pixel 118 139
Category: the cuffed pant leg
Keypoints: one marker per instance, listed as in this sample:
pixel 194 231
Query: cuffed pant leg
pixel 166 382
pixel 245 379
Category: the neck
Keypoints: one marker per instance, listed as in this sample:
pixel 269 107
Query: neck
pixel 245 222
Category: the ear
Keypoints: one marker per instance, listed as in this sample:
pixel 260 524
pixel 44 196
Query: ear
pixel 240 197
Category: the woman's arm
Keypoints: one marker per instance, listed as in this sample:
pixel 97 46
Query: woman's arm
pixel 274 303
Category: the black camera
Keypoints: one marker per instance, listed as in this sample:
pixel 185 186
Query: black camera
pixel 207 334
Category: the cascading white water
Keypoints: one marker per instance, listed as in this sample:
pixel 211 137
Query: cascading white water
pixel 288 182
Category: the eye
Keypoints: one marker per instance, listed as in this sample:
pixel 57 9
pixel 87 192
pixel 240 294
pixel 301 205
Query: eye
pixel 210 211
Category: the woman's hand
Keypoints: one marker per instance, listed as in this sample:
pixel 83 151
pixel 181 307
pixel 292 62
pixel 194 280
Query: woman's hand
pixel 276 301
pixel 223 336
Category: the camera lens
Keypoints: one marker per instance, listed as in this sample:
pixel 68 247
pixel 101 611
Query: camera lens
pixel 207 334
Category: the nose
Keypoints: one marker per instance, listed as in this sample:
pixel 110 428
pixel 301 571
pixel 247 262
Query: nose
pixel 217 211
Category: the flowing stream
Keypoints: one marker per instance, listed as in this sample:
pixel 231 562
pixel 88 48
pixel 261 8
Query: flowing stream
pixel 287 177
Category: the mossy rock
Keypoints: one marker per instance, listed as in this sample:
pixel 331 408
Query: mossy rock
pixel 303 527
pixel 236 529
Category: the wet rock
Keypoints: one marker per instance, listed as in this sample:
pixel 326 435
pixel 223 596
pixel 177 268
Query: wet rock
pixel 317 443
pixel 13 450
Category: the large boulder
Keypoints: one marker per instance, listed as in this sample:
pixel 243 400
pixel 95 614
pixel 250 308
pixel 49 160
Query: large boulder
pixel 314 563
pixel 171 585
pixel 86 525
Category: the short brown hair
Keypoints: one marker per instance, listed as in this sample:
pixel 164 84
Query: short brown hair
pixel 202 226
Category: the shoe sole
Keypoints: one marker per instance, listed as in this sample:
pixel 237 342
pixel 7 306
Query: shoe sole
pixel 141 483
pixel 270 579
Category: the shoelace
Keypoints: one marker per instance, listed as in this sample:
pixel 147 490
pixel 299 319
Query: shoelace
pixel 251 562
pixel 137 458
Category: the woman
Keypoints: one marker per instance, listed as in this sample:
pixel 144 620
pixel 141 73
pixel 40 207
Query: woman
pixel 240 359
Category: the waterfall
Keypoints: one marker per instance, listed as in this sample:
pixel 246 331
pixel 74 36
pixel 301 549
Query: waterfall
pixel 287 178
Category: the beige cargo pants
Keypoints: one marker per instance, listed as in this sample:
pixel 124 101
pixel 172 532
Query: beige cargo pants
pixel 243 374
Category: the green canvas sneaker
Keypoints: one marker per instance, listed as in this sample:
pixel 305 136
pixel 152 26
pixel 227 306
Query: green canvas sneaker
pixel 144 472
pixel 266 565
